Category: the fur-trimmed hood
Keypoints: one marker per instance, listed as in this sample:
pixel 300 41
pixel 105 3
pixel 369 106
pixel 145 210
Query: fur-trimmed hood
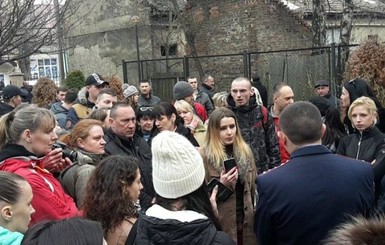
pixel 359 231
pixel 82 96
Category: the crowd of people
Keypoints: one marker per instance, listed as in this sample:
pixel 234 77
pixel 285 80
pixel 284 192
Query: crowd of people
pixel 117 165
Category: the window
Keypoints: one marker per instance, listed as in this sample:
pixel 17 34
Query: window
pixel 44 68
pixel 171 52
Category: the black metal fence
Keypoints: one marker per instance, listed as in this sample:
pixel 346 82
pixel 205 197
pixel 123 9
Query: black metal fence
pixel 300 68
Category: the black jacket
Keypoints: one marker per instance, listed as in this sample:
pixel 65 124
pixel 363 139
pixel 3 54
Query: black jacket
pixel 368 146
pixel 182 130
pixel 153 230
pixel 5 108
pixel 208 90
pixel 140 149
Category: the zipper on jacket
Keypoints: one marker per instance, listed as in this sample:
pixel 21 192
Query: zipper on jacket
pixel 359 146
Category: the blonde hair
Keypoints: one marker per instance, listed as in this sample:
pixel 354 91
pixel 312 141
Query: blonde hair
pixel 31 117
pixel 215 149
pixel 220 98
pixel 182 105
pixel 363 101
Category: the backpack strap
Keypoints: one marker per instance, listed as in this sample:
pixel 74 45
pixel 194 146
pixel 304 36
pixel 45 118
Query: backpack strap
pixel 265 115
pixel 132 236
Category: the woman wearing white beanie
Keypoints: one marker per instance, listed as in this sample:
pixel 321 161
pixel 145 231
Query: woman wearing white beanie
pixel 182 213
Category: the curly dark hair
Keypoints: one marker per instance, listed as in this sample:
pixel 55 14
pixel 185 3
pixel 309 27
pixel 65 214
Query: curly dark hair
pixel 106 198
pixel 116 84
pixel 44 92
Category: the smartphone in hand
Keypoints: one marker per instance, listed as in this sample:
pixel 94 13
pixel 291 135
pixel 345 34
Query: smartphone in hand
pixel 229 164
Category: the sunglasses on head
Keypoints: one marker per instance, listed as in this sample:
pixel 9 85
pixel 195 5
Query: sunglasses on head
pixel 146 108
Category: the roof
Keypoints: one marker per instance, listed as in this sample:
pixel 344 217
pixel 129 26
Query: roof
pixel 336 6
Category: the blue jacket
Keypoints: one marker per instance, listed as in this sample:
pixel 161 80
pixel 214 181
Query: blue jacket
pixel 60 114
pixel 10 238
pixel 301 201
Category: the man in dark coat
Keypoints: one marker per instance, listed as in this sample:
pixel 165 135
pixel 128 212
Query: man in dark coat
pixel 315 191
pixel 12 97
pixel 121 139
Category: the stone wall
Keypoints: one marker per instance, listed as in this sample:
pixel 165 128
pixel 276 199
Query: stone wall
pixel 230 26
pixel 105 35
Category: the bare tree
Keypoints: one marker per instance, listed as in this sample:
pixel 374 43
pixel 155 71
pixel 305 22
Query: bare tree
pixel 346 29
pixel 318 24
pixel 179 19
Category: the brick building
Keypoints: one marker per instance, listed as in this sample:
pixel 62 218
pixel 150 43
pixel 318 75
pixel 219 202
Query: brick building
pixel 107 36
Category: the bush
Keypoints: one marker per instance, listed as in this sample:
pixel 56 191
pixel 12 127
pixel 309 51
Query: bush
pixel 368 62
pixel 75 79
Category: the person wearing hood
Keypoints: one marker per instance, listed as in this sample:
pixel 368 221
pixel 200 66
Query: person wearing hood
pixel 352 90
pixel 27 138
pixel 60 108
pixel 183 212
pixel 86 100
pixel 256 125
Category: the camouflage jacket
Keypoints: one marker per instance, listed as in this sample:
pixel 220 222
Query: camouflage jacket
pixel 260 136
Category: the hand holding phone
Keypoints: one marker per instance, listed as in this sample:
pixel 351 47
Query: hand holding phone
pixel 229 164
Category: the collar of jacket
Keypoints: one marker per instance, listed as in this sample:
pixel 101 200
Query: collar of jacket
pixel 310 150
pixel 15 150
pixel 149 96
pixel 243 109
pixel 206 86
pixel 119 139
pixel 369 132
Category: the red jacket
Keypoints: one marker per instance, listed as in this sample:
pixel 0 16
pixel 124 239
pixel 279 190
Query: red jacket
pixel 285 156
pixel 201 111
pixel 49 199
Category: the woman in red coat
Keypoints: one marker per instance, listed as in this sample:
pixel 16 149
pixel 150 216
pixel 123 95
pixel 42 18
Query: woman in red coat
pixel 26 139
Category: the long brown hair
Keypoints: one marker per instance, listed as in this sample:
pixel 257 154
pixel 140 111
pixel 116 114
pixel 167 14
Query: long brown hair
pixel 214 147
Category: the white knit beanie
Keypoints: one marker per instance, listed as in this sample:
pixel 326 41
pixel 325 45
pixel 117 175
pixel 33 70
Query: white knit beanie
pixel 177 167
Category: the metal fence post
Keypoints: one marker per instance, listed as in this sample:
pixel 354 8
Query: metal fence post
pixel 125 78
pixel 245 66
pixel 186 70
pixel 333 63
pixel 249 65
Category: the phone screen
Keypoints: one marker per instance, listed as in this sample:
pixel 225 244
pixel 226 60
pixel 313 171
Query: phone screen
pixel 229 164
